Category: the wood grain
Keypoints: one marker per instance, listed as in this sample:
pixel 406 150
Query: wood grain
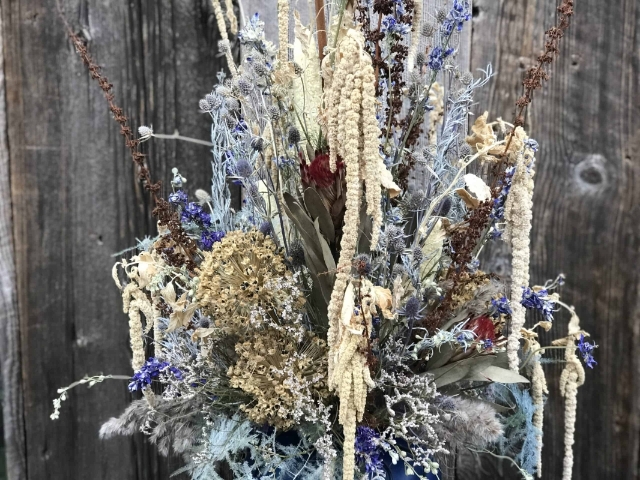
pixel 587 207
pixel 12 424
pixel 75 202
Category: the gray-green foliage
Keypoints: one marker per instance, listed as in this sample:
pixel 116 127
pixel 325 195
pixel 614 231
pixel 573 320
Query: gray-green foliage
pixel 520 439
pixel 249 454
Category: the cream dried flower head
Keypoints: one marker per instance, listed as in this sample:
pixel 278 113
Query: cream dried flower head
pixel 234 280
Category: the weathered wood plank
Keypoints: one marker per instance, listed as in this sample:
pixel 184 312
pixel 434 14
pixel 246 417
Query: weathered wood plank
pixel 587 206
pixel 11 388
pixel 75 202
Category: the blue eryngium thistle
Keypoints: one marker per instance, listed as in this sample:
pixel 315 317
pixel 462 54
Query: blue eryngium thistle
pixel 149 371
pixel 368 449
pixel 243 168
pixel 539 300
pixel 412 310
pixel 586 350
pixel 362 265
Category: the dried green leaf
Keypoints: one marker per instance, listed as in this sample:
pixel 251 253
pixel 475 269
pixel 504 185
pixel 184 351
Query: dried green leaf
pixel 315 206
pixel 497 374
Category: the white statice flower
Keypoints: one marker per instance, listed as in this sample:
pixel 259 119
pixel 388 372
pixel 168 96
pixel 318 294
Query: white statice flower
pixel 145 132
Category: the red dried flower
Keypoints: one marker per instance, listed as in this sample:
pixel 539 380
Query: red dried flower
pixel 483 327
pixel 318 172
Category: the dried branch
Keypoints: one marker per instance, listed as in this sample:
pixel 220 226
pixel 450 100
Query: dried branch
pixel 537 74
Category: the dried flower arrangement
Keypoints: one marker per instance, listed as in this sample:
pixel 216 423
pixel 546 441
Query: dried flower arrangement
pixel 339 323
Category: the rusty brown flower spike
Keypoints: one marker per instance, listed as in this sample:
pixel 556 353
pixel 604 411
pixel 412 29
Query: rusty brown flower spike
pixel 537 74
pixel 166 216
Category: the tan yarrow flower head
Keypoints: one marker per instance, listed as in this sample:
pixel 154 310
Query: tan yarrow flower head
pixel 282 378
pixel 236 278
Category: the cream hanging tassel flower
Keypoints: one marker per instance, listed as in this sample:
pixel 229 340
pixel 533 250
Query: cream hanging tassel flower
pixel 351 377
pixel 353 135
pixel 225 46
pixel 416 27
pixel 283 32
pixel 518 215
pixel 571 378
pixel 538 385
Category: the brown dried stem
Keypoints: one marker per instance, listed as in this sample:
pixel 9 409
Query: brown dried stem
pixel 321 28
pixel 537 74
pixel 166 216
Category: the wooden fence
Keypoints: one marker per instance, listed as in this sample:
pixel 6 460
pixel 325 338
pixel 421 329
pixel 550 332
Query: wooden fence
pixel 69 200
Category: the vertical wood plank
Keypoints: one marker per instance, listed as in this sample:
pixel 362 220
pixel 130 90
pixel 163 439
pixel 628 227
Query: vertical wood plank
pixel 587 207
pixel 76 202
pixel 11 388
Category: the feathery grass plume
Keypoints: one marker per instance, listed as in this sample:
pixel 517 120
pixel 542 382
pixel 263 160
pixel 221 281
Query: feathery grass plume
pixel 465 421
pixel 162 210
pixel 520 439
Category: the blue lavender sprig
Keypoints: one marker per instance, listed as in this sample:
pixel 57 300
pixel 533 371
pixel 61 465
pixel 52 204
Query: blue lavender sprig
pixel 151 370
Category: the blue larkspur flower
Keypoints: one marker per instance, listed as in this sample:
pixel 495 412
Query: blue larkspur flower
pixel 532 144
pixel 497 213
pixel 193 212
pixel 437 57
pixel 586 350
pixel 539 300
pixel 391 25
pixel 152 369
pixel 241 127
pixel 209 237
pixel 460 12
pixel 368 451
pixel 436 60
pixel 500 306
pixel 178 197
